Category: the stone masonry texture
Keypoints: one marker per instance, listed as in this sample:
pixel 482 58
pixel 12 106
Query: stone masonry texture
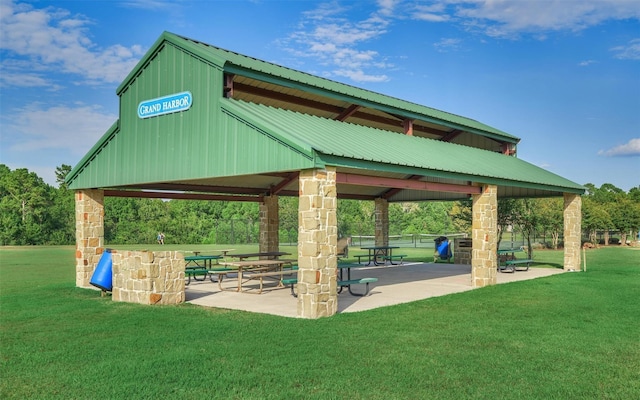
pixel 572 231
pixel 484 232
pixel 269 219
pixel 317 244
pixel 89 234
pixel 147 277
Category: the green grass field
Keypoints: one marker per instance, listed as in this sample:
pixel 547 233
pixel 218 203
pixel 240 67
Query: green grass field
pixel 570 336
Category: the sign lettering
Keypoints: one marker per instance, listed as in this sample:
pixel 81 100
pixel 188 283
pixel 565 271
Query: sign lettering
pixel 165 105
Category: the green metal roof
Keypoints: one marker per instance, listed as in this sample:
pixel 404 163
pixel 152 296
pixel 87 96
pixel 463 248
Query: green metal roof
pixel 237 63
pixel 389 149
pixel 221 138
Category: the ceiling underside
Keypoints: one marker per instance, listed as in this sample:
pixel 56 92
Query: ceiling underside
pixel 373 185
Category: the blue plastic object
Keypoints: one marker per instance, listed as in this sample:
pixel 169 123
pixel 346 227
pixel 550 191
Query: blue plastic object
pixel 443 249
pixel 103 275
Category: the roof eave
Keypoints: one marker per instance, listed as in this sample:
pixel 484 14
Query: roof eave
pixel 71 176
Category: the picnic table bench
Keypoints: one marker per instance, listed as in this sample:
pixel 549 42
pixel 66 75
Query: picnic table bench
pixel 341 283
pixel 194 272
pixel 260 274
pixel 512 262
pixel 390 258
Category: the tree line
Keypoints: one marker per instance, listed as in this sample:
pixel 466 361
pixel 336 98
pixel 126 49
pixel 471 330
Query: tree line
pixel 33 212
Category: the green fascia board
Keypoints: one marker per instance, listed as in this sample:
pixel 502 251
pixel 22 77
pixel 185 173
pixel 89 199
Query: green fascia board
pixel 374 149
pixel 84 161
pixel 269 72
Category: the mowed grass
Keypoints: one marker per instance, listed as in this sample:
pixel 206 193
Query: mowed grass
pixel 569 336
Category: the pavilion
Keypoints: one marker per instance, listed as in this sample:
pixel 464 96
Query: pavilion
pixel 201 122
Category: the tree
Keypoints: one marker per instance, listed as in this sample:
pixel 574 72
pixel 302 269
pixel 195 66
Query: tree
pixel 461 216
pixel 551 218
pixel 509 211
pixel 61 174
pixel 25 202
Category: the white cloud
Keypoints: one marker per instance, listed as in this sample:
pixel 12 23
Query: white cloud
pixel 334 40
pixel 53 40
pixel 360 76
pixel 631 51
pixel 586 63
pixel 509 18
pixel 631 148
pixel 431 13
pixel 447 44
pixel 36 128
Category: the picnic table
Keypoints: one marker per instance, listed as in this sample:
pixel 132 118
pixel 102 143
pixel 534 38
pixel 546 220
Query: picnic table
pixel 273 255
pixel 376 253
pixel 256 269
pixel 511 262
pixel 199 266
pixel 341 282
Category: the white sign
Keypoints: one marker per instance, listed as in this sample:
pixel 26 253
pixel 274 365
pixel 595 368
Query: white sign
pixel 165 105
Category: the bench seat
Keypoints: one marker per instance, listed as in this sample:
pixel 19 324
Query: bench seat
pixel 193 273
pixel 393 257
pixel 341 284
pixel 512 265
pixel 260 275
pixel 360 256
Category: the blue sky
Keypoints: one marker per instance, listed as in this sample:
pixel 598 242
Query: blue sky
pixel 562 75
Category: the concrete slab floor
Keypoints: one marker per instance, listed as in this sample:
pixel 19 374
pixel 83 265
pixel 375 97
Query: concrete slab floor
pixel 396 284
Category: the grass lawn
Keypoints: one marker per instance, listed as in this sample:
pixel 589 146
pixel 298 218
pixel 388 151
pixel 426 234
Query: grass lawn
pixel 569 336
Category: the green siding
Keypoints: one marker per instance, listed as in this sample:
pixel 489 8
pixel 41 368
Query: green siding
pixel 201 142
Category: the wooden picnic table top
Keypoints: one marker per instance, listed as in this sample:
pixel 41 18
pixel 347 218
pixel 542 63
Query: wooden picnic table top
pixel 502 251
pixel 262 254
pixel 201 257
pixel 251 263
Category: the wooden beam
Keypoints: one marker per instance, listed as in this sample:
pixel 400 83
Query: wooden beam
pixel 451 135
pixel 200 188
pixel 377 181
pixel 407 125
pixel 292 177
pixel 396 121
pixel 180 196
pixel 228 85
pixel 392 192
pixel 347 112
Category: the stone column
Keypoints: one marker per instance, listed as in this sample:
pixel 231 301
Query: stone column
pixel 484 253
pixel 381 214
pixel 269 224
pixel 89 233
pixel 147 277
pixel 572 231
pixel 317 243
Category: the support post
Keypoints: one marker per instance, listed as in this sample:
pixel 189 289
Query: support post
pixel 484 253
pixel 381 214
pixel 89 233
pixel 317 243
pixel 572 231
pixel 269 224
